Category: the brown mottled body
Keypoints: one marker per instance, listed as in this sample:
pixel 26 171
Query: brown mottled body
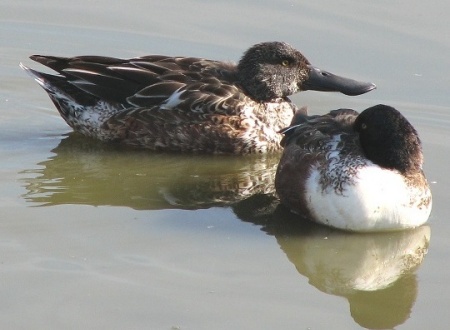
pixel 186 103
pixel 241 132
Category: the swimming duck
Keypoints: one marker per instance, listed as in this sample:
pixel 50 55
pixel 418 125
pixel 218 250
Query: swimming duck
pixel 358 172
pixel 185 103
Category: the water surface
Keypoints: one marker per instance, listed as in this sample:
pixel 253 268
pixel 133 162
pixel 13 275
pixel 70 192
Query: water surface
pixel 93 236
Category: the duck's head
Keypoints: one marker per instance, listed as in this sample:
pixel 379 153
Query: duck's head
pixel 272 70
pixel 388 139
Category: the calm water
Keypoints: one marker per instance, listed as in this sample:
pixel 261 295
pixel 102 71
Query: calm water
pixel 92 236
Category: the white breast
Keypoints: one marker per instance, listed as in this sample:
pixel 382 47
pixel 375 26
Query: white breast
pixel 377 199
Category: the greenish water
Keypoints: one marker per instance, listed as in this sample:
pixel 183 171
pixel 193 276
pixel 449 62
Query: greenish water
pixel 92 236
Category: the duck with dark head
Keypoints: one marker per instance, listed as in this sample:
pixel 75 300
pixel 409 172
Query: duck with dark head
pixel 354 171
pixel 186 104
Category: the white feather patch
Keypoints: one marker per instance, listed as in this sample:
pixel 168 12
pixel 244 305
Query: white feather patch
pixel 173 101
pixel 378 199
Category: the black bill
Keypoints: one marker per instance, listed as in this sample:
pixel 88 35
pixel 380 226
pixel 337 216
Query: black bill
pixel 325 81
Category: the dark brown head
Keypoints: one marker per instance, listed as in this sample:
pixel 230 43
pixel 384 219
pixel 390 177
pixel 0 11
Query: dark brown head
pixel 272 70
pixel 389 140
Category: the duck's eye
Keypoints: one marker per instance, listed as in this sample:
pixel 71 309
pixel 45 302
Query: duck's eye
pixel 284 62
pixel 363 126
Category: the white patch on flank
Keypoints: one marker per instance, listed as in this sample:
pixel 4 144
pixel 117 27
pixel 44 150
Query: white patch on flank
pixel 173 101
pixel 90 118
pixel 378 199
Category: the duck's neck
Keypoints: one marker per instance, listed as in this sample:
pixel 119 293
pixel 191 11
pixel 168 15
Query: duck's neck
pixel 256 88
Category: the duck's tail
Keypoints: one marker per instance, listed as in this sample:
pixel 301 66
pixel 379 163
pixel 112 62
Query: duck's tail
pixel 59 89
pixel 81 110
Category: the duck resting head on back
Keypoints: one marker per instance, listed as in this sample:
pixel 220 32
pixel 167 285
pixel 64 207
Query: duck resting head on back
pixel 358 172
pixel 184 103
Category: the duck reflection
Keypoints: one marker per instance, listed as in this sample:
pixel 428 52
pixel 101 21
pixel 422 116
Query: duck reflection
pixel 84 171
pixel 374 272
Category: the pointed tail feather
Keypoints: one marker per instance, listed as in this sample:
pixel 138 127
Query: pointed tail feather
pixel 39 77
pixel 56 85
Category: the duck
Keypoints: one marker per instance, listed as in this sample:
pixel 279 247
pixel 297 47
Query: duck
pixel 187 104
pixel 354 171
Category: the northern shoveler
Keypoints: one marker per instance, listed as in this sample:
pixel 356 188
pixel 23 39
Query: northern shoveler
pixel 185 103
pixel 359 172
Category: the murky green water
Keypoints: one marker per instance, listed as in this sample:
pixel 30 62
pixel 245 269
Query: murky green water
pixel 92 236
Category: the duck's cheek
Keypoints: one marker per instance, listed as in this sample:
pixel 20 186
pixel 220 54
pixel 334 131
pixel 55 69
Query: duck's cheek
pixel 293 88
